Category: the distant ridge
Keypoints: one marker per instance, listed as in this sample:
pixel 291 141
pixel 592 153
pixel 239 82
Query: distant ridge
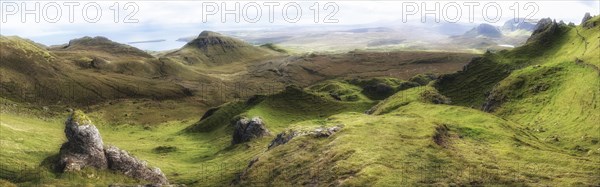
pixel 101 44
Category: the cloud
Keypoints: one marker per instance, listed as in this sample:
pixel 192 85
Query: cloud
pixel 170 20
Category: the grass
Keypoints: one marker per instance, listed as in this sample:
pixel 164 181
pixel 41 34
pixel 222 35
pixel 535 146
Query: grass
pixel 80 118
pixel 550 85
pixel 274 47
pixel 339 90
pixel 398 149
pixel 279 110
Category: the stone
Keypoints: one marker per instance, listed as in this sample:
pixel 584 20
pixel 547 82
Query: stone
pixel 326 132
pixel 246 130
pixel 282 138
pixel 120 160
pixel 84 146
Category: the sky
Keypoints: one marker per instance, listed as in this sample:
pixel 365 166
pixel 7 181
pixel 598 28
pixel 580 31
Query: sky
pixel 131 21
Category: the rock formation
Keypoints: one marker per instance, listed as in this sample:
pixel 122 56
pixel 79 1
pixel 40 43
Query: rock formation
pixel 586 17
pixel 585 23
pixel 282 138
pixel 120 160
pixel 245 130
pixel 85 148
pixel 544 31
pixel 321 132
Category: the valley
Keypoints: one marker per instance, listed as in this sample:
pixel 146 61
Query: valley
pixel 222 112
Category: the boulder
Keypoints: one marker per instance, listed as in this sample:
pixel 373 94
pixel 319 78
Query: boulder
pixel 84 147
pixel 120 160
pixel 246 130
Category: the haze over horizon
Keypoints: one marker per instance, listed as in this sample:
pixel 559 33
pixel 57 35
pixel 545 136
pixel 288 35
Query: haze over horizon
pixel 184 18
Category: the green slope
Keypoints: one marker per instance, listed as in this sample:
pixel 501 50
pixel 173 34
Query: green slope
pixel 550 85
pixel 420 144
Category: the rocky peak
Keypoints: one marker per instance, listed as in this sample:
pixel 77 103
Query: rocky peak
pixel 208 39
pixel 543 24
pixel 586 17
pixel 585 23
pixel 544 31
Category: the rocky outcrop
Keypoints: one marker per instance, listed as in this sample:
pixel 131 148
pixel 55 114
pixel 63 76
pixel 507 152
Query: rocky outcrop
pixel 246 130
pixel 85 148
pixel 586 17
pixel 120 160
pixel 283 138
pixel 585 23
pixel 326 132
pixel 321 132
pixel 544 31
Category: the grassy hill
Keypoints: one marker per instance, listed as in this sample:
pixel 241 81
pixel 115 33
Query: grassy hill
pixel 34 74
pixel 550 85
pixel 213 49
pixel 420 143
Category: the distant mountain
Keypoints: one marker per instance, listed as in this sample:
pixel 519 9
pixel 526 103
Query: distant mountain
pixel 485 30
pixel 486 36
pixel 80 73
pixel 211 48
pixel 101 44
pixel 518 24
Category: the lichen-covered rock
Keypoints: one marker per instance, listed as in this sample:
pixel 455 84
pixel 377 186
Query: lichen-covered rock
pixel 326 132
pixel 321 132
pixel 245 130
pixel 84 147
pixel 120 160
pixel 282 138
